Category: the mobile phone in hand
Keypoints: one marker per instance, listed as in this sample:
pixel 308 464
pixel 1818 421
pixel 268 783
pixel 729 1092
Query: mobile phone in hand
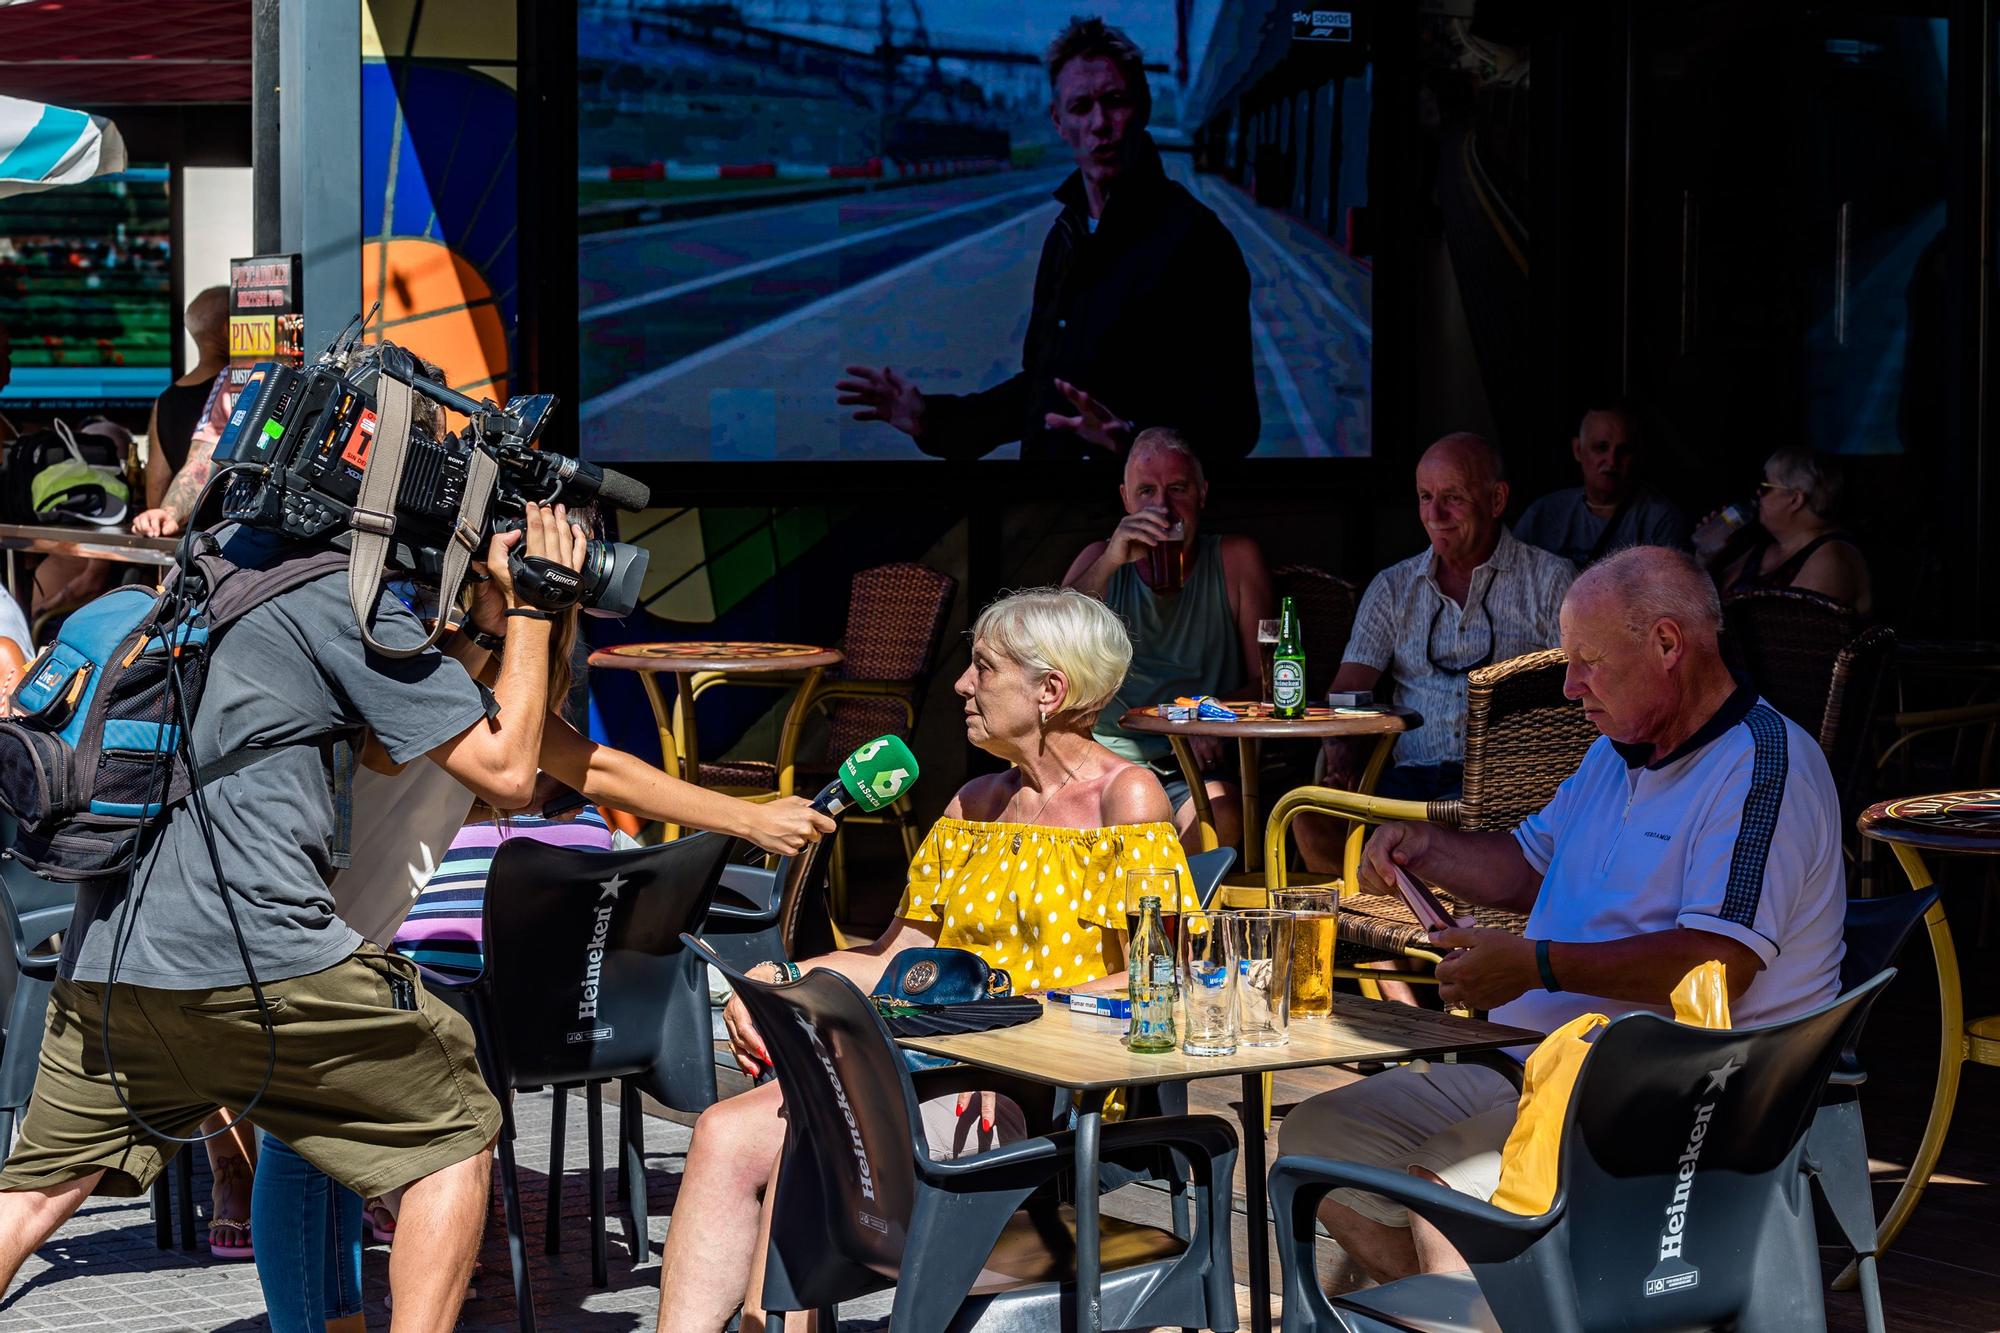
pixel 1422 902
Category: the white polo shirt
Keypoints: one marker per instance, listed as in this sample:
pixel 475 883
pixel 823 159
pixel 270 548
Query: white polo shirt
pixel 1736 832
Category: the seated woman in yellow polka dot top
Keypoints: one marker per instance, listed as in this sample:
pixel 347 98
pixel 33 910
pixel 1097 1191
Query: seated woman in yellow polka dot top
pixel 1025 869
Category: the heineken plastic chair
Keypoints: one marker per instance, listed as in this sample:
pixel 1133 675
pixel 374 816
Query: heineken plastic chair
pixel 1682 1200
pixel 978 1242
pixel 586 980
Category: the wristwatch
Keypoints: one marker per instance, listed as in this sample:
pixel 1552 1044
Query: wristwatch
pixel 492 643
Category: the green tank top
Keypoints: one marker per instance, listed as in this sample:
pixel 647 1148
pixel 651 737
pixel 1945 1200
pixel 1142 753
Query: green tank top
pixel 1182 643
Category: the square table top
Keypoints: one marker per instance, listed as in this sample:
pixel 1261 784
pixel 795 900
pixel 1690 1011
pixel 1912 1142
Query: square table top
pixel 1067 1049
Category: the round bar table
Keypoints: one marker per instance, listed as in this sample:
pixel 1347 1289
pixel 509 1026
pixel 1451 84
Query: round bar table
pixel 1255 725
pixel 1959 821
pixel 696 665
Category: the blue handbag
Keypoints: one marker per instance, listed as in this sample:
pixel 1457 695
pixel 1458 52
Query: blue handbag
pixel 933 977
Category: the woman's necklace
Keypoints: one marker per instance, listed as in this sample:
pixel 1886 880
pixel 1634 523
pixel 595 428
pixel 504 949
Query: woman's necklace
pixel 1070 776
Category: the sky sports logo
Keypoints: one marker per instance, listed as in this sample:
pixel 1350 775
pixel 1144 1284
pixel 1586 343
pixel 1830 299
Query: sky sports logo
pixel 1323 25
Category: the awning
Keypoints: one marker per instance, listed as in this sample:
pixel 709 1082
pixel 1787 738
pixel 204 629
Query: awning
pixel 43 146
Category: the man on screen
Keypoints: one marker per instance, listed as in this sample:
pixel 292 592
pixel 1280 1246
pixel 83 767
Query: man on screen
pixel 1141 312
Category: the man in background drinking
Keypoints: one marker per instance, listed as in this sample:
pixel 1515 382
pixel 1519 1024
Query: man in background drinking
pixel 1192 601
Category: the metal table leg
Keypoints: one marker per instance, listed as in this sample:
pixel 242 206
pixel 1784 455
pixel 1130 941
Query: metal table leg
pixel 1248 752
pixel 1089 1260
pixel 1257 1212
pixel 1951 1062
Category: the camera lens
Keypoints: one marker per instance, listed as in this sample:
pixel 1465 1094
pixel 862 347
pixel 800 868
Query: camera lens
pixel 612 575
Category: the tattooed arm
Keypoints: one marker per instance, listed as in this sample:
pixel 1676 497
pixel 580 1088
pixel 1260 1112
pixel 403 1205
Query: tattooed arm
pixel 176 507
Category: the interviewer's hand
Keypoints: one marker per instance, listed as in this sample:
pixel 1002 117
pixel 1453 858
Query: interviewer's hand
pixel 1094 423
pixel 156 523
pixel 1486 968
pixel 1392 845
pixel 882 395
pixel 786 826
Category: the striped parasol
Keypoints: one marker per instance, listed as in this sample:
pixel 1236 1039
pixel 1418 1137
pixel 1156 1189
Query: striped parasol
pixel 43 146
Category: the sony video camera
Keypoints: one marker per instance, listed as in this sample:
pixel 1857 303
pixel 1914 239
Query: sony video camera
pixel 309 431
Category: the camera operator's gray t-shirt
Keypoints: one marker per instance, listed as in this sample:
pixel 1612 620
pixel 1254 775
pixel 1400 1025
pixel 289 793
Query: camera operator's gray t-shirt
pixel 283 676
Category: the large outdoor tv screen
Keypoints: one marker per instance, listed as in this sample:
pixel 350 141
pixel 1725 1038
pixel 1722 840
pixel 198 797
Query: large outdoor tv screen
pixel 772 193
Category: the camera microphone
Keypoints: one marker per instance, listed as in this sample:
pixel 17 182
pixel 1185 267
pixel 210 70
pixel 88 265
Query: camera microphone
pixel 615 488
pixel 873 777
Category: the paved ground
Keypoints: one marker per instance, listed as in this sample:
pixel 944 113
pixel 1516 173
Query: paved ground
pixel 103 1271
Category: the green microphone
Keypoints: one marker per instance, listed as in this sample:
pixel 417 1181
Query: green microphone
pixel 874 776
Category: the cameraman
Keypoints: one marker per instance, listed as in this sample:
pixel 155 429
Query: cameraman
pixel 374 1082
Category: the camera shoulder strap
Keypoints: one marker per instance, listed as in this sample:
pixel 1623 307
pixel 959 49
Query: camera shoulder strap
pixel 374 518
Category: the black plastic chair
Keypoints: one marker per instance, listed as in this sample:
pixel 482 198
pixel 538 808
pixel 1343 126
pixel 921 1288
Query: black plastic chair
pixel 1682 1200
pixel 586 980
pixel 1875 933
pixel 984 1241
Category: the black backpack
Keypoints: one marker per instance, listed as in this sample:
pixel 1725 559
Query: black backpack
pixel 92 757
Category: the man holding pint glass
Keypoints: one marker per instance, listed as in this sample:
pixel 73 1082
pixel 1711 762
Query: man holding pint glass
pixel 1192 601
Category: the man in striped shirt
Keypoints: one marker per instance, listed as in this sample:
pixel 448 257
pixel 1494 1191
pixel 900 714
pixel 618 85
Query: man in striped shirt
pixel 1702 826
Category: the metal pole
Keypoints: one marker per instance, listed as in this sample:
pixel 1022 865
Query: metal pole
pixel 319 158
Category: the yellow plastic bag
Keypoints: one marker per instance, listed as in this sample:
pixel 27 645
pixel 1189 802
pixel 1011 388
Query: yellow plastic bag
pixel 1702 998
pixel 1528 1162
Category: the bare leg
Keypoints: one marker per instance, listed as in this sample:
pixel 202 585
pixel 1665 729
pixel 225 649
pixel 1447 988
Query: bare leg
pixel 232 1165
pixel 437 1238
pixel 29 1217
pixel 713 1238
pixel 1385 1253
pixel 756 1319
pixel 1435 1254
pixel 1322 841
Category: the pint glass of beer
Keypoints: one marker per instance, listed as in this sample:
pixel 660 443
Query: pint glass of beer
pixel 1315 921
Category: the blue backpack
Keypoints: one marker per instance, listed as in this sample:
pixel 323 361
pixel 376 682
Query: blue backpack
pixel 91 756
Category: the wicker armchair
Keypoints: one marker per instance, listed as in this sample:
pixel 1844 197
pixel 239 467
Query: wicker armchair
pixel 1523 737
pixel 1325 604
pixel 895 624
pixel 1788 640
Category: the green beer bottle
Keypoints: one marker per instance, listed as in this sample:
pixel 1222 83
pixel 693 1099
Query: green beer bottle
pixel 1288 666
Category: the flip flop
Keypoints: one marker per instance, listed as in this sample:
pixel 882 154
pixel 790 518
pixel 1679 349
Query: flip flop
pixel 245 1250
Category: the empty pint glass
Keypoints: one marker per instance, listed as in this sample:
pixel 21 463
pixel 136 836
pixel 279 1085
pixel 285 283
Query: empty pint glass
pixel 1263 976
pixel 1315 920
pixel 1208 983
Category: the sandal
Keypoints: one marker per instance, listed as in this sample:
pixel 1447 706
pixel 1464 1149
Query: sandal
pixel 381 1223
pixel 221 1249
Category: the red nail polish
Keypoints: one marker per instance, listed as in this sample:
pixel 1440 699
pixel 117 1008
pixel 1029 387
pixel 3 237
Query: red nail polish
pixel 961 1107
pixel 986 1124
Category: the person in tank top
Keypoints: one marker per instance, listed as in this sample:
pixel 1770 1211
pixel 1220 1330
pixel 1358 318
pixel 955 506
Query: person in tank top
pixel 1198 638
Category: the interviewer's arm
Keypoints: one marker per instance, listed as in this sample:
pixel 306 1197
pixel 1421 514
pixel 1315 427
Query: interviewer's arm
pixel 624 781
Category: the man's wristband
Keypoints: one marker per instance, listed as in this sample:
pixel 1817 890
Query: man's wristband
pixel 1549 982
pixel 529 613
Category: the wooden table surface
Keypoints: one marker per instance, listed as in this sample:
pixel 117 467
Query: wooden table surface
pixel 1256 723
pixel 726 655
pixel 1087 1051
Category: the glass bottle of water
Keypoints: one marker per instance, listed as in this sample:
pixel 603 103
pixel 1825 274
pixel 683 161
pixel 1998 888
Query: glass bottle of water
pixel 1152 982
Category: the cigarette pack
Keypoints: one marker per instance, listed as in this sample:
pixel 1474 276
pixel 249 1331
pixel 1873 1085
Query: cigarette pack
pixel 1109 1006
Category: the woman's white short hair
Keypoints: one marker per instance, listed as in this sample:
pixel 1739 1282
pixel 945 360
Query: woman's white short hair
pixel 1061 629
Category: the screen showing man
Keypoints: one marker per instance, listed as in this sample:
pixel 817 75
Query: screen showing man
pixel 1023 237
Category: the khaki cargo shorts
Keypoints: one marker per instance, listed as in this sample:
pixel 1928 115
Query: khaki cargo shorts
pixel 376 1082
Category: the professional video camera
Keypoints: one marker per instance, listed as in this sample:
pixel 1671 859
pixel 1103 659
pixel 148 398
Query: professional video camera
pixel 308 435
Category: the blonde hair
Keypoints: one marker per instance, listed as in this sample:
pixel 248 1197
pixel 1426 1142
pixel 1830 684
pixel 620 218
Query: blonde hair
pixel 1061 629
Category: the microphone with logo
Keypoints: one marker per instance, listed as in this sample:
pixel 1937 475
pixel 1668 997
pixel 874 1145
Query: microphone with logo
pixel 873 778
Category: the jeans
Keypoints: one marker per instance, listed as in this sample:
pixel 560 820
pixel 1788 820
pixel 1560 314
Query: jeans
pixel 307 1231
